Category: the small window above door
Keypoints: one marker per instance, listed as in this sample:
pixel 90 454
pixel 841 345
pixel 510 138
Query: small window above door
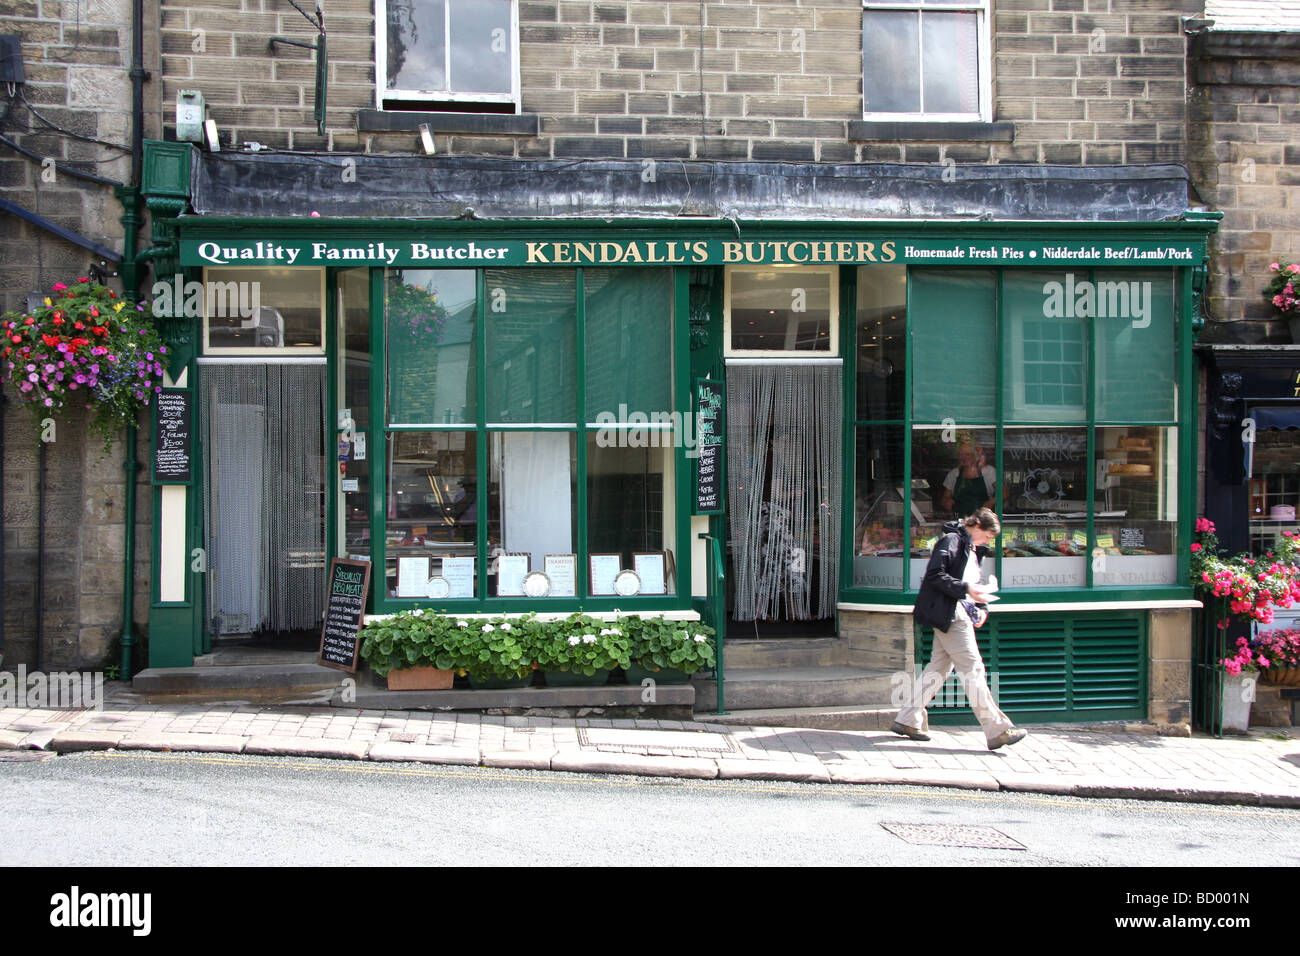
pixel 782 311
pixel 261 311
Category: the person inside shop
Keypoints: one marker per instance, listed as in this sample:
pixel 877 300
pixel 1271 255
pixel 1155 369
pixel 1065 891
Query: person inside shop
pixel 972 484
pixel 954 602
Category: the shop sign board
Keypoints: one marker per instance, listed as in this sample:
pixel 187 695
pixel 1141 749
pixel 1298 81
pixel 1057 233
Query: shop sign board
pixel 173 422
pixel 851 250
pixel 345 606
pixel 710 418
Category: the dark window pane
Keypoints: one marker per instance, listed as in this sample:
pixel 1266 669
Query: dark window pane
pixel 953 316
pixel 950 62
pixel 1134 330
pixel 891 74
pixel 629 340
pixel 430 318
pixel 531 346
pixel 417 45
pixel 881 341
pixel 432 507
pixel 480 46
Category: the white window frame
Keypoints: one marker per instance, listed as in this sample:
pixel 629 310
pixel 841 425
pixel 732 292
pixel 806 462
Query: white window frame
pixel 832 352
pixel 984 39
pixel 440 96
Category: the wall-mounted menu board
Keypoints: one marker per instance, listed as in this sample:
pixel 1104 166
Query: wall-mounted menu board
pixel 345 607
pixel 173 420
pixel 710 418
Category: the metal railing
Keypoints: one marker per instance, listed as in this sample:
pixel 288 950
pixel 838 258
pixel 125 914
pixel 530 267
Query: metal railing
pixel 1209 646
pixel 715 608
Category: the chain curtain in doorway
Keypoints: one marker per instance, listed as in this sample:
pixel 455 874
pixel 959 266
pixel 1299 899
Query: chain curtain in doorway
pixel 264 507
pixel 784 468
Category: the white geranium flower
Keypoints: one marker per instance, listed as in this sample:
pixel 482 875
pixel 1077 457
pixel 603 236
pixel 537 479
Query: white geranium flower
pixel 610 630
pixel 700 638
pixel 487 628
pixel 589 638
pixel 462 623
pixel 505 627
pixel 574 640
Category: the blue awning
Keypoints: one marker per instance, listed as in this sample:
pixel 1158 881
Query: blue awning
pixel 1276 416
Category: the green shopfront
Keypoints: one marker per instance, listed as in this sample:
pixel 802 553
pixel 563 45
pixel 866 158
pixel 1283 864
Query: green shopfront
pixel 467 403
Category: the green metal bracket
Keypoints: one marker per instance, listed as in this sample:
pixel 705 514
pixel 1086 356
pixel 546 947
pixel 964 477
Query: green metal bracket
pixel 322 68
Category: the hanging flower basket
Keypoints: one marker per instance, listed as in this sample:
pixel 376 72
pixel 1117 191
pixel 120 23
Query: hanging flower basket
pixel 84 347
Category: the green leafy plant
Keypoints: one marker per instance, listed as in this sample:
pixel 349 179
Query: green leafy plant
pixel 503 648
pixel 409 639
pixel 580 645
pixel 658 644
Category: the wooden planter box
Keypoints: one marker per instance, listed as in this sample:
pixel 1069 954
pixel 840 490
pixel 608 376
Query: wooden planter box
pixel 420 678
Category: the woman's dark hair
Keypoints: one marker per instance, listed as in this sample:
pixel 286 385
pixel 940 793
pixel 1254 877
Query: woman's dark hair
pixel 985 520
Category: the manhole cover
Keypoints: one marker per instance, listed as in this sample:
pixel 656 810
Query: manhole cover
pixel 26 756
pixel 927 834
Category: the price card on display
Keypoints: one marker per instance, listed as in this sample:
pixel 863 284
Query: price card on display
pixel 562 569
pixel 459 573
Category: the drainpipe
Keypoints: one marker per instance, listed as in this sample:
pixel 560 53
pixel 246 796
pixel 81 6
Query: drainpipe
pixel 3 402
pixel 131 273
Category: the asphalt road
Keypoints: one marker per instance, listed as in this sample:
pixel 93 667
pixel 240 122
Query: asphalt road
pixel 138 808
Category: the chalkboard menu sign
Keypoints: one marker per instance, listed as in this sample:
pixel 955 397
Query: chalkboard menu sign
pixel 345 606
pixel 173 418
pixel 710 417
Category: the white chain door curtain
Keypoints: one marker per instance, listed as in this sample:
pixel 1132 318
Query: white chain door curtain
pixel 264 462
pixel 784 479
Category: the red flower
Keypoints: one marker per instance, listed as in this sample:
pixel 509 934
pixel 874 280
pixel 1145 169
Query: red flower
pixel 57 320
pixel 58 287
pixel 94 311
pixel 83 279
pixel 1196 546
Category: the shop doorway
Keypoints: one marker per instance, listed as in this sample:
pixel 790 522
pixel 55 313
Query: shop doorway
pixel 784 466
pixel 264 503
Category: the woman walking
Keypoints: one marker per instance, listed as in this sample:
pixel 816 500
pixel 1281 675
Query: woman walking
pixel 954 602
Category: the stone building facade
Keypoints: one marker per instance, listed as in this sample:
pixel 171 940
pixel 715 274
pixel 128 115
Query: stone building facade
pixel 1075 83
pixel 71 115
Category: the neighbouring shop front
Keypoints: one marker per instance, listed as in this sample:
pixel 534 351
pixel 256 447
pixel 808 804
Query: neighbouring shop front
pixel 499 415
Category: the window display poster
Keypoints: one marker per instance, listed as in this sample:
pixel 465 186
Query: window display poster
pixel 511 571
pixel 562 569
pixel 459 573
pixel 649 567
pixel 604 569
pixel 413 577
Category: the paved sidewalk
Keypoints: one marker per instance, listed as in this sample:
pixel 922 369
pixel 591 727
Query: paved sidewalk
pixel 1261 769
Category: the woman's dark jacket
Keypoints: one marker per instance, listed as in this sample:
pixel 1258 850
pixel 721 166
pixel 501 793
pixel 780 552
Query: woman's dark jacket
pixel 942 586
